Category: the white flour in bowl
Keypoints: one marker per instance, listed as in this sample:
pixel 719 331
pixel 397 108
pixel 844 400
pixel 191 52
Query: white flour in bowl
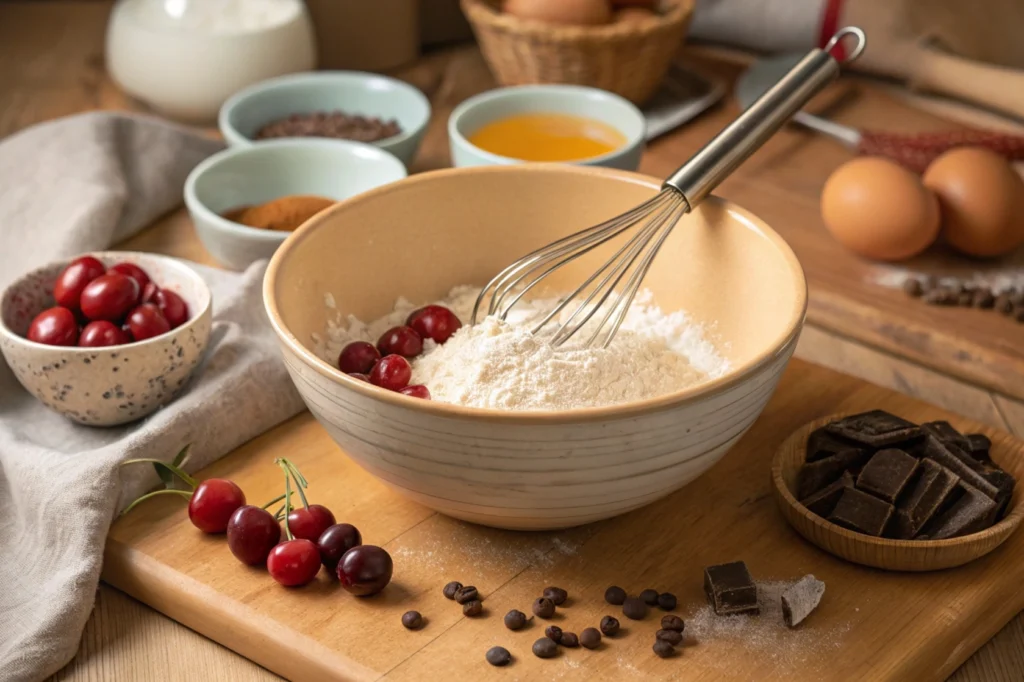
pixel 501 365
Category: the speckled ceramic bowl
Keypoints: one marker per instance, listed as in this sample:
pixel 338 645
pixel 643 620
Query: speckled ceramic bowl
pixel 116 384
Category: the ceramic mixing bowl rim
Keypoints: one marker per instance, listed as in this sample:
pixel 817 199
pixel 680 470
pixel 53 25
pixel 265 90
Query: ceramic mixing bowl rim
pixel 325 78
pixel 693 394
pixel 343 148
pixel 167 261
pixel 519 91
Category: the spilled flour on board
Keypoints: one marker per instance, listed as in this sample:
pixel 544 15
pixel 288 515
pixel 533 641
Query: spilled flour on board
pixel 998 275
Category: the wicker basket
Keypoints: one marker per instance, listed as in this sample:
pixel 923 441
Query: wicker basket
pixel 628 58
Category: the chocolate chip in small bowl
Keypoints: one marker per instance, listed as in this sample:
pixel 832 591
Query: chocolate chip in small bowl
pixel 332 124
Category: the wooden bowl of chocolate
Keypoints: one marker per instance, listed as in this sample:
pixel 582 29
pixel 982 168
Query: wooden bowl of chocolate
pixel 876 489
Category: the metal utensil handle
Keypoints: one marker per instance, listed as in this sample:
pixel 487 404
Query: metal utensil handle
pixel 706 169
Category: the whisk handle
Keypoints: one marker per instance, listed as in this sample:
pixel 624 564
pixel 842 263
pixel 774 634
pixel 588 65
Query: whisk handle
pixel 716 160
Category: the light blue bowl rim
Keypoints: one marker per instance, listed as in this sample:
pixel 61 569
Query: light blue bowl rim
pixel 519 91
pixel 323 78
pixel 341 147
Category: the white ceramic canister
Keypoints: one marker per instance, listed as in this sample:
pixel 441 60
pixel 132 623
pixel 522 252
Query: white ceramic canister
pixel 184 58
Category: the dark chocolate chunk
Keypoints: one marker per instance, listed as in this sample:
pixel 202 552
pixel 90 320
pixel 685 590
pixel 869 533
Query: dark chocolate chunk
pixel 862 512
pixel 876 429
pixel 923 500
pixel 980 446
pixel 821 443
pixel 824 501
pixel 887 473
pixel 730 589
pixel 945 432
pixel 969 514
pixel 800 599
pixel 1004 484
pixel 816 475
pixel 960 463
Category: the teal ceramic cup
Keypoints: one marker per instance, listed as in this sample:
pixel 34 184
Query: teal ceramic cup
pixel 351 92
pixel 574 100
pixel 257 173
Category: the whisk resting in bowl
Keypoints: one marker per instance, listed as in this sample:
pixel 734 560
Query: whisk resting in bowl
pixel 605 296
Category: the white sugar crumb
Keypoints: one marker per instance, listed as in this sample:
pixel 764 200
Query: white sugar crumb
pixel 502 365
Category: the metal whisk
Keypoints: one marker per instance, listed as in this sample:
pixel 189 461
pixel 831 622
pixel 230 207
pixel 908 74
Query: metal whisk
pixel 610 290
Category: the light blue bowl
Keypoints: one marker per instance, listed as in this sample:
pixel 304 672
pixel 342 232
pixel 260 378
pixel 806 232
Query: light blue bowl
pixel 575 100
pixel 352 92
pixel 262 171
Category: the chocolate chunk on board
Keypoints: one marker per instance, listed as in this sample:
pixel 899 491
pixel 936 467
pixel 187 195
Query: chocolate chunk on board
pixel 980 446
pixel 887 473
pixel 959 462
pixel 923 499
pixel 876 429
pixel 862 512
pixel 730 589
pixel 822 443
pixel 800 599
pixel 974 511
pixel 945 432
pixel 816 475
pixel 824 501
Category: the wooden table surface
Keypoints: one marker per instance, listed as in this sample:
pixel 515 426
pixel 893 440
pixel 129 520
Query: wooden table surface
pixel 51 64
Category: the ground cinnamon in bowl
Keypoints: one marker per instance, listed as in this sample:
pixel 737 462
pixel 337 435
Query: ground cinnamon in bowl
pixel 284 214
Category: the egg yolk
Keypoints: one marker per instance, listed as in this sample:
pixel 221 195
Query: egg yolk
pixel 548 137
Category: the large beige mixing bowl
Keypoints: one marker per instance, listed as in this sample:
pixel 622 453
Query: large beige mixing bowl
pixel 421 236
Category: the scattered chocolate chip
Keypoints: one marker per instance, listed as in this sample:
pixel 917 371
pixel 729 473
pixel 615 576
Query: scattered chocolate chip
pixel 590 638
pixel 634 608
pixel 515 619
pixel 913 287
pixel 666 601
pixel 983 298
pixel 650 597
pixel 545 647
pixel 556 594
pixel 473 608
pixel 965 299
pixel 553 632
pixel 1019 314
pixel 412 620
pixel 466 594
pixel 609 626
pixel 452 588
pixel 663 649
pixel 615 595
pixel 673 637
pixel 499 656
pixel 671 622
pixel 543 607
pixel 1003 304
pixel 569 640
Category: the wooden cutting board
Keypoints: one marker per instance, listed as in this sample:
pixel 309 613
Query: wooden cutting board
pixel 782 182
pixel 871 624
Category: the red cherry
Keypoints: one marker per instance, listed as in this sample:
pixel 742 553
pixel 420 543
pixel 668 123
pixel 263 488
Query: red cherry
pixel 252 533
pixel 434 322
pixel 173 307
pixel 55 326
pixel 365 570
pixel 310 523
pixel 149 293
pixel 146 321
pixel 294 563
pixel 361 377
pixel 393 372
pixel 135 272
pixel 213 503
pixel 402 341
pixel 358 357
pixel 416 391
pixel 335 541
pixel 68 289
pixel 103 333
pixel 109 297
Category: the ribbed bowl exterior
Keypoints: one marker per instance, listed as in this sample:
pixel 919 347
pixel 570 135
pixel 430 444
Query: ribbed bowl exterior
pixel 531 475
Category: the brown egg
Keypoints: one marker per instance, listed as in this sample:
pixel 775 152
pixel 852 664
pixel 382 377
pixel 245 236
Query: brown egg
pixel 636 14
pixel 878 209
pixel 571 12
pixel 982 201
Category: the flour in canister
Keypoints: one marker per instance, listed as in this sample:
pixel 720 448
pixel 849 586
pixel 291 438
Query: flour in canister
pixel 216 16
pixel 502 365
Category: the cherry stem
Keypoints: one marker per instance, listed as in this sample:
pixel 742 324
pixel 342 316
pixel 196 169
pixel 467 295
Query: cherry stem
pixel 177 471
pixel 276 499
pixel 186 495
pixel 287 501
pixel 300 480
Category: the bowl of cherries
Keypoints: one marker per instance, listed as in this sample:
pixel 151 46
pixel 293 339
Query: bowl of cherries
pixel 106 338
